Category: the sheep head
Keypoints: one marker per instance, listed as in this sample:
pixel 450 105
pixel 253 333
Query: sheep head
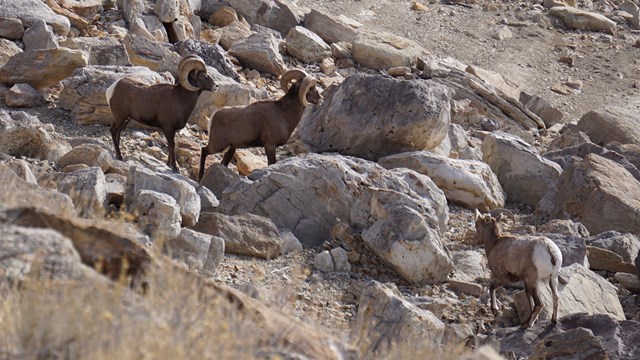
pixel 193 70
pixel 308 89
pixel 488 226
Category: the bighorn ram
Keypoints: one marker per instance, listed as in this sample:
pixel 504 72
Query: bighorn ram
pixel 512 258
pixel 163 106
pixel 264 123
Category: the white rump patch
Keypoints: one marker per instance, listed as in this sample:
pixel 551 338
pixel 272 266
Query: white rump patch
pixel 109 92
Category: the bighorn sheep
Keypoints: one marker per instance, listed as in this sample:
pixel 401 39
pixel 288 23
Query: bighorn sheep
pixel 163 106
pixel 512 258
pixel 264 123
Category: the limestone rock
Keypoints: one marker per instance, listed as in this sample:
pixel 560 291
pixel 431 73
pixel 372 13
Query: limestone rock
pixel 183 29
pixel 11 28
pixel 582 20
pixel 132 10
pixel 580 343
pixel 395 116
pixel 154 55
pixel 212 55
pixel 330 28
pixel 116 185
pixel 7 49
pixel 23 95
pixel 224 16
pixel 323 262
pixel 603 259
pixel 39 37
pixel 467 182
pixel 599 193
pixel 21 168
pixel 217 178
pixel 626 246
pixel 215 255
pixel 290 243
pixel 380 50
pixel 87 154
pixel 167 10
pixel 88 190
pixel 585 291
pixel 42 68
pixel 158 215
pixel 21 134
pixel 233 33
pixel 573 248
pixel 84 92
pixel 25 251
pixel 260 51
pixel 541 107
pixel 385 318
pixel 340 260
pixel 524 175
pixel 564 227
pixel 470 266
pixel 174 185
pixel 87 43
pixel 629 281
pixel 611 124
pixel 306 46
pixel 30 11
pixel 115 55
pixel 190 247
pixel 245 234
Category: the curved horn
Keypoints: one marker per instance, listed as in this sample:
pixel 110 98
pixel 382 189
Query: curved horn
pixel 306 85
pixel 497 212
pixel 186 66
pixel 295 74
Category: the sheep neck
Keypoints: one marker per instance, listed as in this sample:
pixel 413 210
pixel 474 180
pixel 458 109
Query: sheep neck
pixel 293 109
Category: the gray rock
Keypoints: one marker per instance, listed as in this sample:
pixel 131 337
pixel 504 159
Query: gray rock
pixel 208 199
pixel 84 92
pixel 607 260
pixel 573 248
pixel 381 50
pixel 580 343
pixel 212 55
pixel 217 178
pixel 174 185
pixel 152 54
pixel 525 175
pixel 30 11
pixel 25 251
pixel 153 24
pixel 88 190
pixel 470 266
pixel 116 186
pixel 260 51
pixel 87 154
pixel 41 68
pixel 626 245
pixel 245 234
pixel 22 169
pixel 564 227
pixel 385 319
pixel 52 151
pixel 39 36
pixel 323 262
pixel 115 55
pixel 395 116
pixel 21 134
pixel 425 187
pixel 158 215
pixel 167 10
pixel 330 28
pixel 132 10
pixel 541 107
pixel 462 146
pixel 7 49
pixel 467 182
pixel 599 193
pixel 183 28
pixel 340 260
pixel 23 95
pixel 11 28
pixel 585 291
pixel 215 254
pixel 583 20
pixel 611 124
pixel 190 247
pixel 234 33
pixel 306 46
pixel 290 243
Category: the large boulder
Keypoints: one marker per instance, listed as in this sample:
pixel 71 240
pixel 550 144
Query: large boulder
pixel 42 68
pixel 583 20
pixel 611 124
pixel 599 193
pixel 30 11
pixel 233 33
pixel 26 252
pixel 330 28
pixel 157 56
pixel 374 116
pixel 306 46
pixel 190 247
pixel 309 195
pixel 39 36
pixel 7 49
pixel 21 134
pixel 584 291
pixel 87 154
pixel 467 182
pixel 245 234
pixel 158 215
pixel 11 28
pixel 524 175
pixel 212 55
pixel 386 319
pixel 88 189
pixel 84 92
pixel 626 246
pixel 178 187
pixel 260 51
pixel 23 95
pixel 381 50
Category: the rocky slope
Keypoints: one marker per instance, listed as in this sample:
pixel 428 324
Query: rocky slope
pixel 359 241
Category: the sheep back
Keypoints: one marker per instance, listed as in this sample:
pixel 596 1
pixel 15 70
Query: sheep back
pixel 515 257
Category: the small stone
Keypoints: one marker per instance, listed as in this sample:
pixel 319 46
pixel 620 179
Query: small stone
pixel 574 84
pixel 23 95
pixel 561 89
pixel 323 262
pixel 503 33
pixel 340 260
pixel 399 71
pixel 567 60
pixel 417 6
pixel 327 66
pixel 629 281
pixel 466 287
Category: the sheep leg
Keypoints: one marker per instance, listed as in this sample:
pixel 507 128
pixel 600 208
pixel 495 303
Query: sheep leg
pixel 538 305
pixel 226 159
pixel 495 283
pixel 271 154
pixel 204 152
pixel 116 130
pixel 171 142
pixel 553 284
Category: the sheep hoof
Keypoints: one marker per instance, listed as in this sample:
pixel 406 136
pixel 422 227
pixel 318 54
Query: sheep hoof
pixel 495 312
